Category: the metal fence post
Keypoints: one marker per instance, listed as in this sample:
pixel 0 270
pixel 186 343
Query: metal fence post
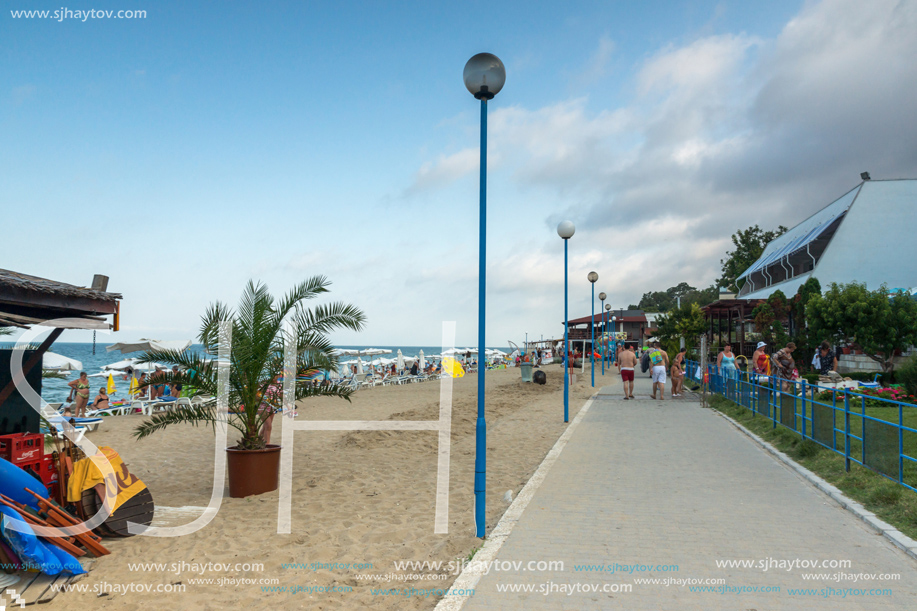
pixel 863 432
pixel 847 431
pixel 900 443
pixel 772 408
pixel 803 385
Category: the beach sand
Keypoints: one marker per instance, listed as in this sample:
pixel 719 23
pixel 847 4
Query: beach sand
pixel 358 497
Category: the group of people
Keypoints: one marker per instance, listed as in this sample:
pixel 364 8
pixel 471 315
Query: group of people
pixel 780 364
pixel 79 390
pixel 660 369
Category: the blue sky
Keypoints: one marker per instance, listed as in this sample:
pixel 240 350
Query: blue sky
pixel 210 143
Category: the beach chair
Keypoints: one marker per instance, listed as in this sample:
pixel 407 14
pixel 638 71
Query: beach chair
pixel 381 381
pixel 116 410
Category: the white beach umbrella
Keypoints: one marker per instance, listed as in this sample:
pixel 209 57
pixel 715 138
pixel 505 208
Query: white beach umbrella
pixel 51 360
pixel 145 345
pixel 423 361
pixel 399 362
pixel 359 365
pixel 373 352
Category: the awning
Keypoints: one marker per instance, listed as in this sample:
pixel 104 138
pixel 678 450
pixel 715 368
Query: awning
pixel 793 246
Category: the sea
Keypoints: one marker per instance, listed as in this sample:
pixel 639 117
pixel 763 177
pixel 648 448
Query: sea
pixel 56 391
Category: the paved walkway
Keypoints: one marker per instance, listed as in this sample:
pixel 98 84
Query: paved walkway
pixel 674 485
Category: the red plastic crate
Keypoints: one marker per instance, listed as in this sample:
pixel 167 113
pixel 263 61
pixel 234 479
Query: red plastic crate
pixel 22 447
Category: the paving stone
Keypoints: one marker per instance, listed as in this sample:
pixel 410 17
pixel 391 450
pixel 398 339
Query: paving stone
pixel 669 483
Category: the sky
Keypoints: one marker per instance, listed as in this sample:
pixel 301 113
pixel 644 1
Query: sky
pixel 207 143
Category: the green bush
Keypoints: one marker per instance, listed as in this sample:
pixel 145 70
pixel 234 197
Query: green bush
pixel 811 378
pixel 907 375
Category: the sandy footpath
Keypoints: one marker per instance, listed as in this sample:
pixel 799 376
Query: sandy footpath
pixel 359 497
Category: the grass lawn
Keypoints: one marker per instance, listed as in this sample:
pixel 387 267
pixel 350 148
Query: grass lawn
pixel 890 501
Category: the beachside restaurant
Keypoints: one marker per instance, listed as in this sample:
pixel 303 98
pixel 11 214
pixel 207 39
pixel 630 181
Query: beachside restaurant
pixel 730 321
pixel 632 322
pixel 28 300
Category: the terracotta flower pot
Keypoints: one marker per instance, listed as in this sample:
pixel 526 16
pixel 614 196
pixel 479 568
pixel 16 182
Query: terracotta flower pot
pixel 253 471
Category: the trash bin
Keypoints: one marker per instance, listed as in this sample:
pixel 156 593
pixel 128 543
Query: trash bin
pixel 526 372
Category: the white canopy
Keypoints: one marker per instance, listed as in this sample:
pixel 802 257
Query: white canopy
pixel 423 361
pixel 399 362
pixel 50 360
pixel 145 345
pixel 123 365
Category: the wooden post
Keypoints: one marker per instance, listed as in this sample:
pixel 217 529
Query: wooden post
pixel 35 359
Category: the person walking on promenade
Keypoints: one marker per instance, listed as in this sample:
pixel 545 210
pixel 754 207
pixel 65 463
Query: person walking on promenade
pixel 627 361
pixel 784 364
pixel 659 359
pixel 678 373
pixel 726 362
pixel 825 359
pixel 759 360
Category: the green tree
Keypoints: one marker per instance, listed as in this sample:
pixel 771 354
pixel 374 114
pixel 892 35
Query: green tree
pixel 802 334
pixel 686 322
pixel 749 244
pixel 258 343
pixel 880 324
pixel 667 300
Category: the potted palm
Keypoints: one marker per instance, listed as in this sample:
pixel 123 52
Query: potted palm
pixel 256 362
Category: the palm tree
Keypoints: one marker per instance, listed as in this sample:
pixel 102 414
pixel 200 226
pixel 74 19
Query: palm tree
pixel 258 342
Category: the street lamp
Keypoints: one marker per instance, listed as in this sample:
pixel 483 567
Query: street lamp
pixel 592 278
pixel 614 334
pixel 484 76
pixel 602 340
pixel 566 230
pixel 608 311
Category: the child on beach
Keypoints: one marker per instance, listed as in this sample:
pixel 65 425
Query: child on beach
pixel 678 378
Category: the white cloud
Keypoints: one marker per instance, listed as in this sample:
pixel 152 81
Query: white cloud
pixel 445 170
pixel 724 132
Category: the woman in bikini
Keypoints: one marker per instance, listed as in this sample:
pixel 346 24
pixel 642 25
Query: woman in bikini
pixel 101 400
pixel 80 389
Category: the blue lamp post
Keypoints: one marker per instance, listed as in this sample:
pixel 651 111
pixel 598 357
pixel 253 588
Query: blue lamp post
pixel 566 230
pixel 592 278
pixel 602 339
pixel 484 76
pixel 612 336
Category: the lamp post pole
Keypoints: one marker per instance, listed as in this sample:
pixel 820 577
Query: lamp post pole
pixel 566 230
pixel 484 76
pixel 592 278
pixel 612 336
pixel 602 339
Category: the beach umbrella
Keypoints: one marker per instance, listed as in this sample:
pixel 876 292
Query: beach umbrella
pixel 423 361
pixel 111 384
pixel 359 365
pixel 132 389
pixel 399 362
pixel 452 368
pixel 50 360
pixel 145 345
pixel 374 352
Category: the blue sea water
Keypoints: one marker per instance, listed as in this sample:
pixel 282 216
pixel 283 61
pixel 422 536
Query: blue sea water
pixel 57 390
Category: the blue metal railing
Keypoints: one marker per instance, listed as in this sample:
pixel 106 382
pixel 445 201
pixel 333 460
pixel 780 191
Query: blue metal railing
pixel 812 411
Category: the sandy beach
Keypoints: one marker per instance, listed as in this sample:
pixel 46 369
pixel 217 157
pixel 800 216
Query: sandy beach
pixel 363 498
